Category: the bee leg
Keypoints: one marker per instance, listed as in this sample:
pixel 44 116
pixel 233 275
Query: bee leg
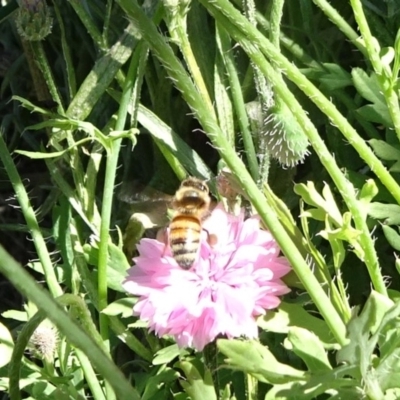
pixel 212 239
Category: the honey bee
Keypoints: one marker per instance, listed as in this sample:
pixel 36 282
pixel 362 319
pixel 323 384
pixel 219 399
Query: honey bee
pixel 191 205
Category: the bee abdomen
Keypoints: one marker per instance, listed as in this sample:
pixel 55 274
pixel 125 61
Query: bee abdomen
pixel 184 240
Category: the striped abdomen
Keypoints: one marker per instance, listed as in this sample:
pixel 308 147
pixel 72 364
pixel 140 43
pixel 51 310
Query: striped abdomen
pixel 184 239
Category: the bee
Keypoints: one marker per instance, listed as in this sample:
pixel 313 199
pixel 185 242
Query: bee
pixel 191 206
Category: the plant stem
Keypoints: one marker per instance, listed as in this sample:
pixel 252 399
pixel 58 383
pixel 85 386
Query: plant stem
pixel 265 95
pixel 384 76
pixel 275 21
pixel 210 353
pixel 87 21
pixel 251 387
pixel 255 38
pixel 346 189
pixel 30 218
pixel 44 66
pixel 341 23
pixel 238 102
pixel 50 309
pixel 108 195
pixel 182 81
pixel 181 38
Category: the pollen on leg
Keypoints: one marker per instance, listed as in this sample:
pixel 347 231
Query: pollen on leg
pixel 212 239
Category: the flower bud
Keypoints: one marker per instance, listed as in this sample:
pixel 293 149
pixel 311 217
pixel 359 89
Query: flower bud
pixel 44 341
pixel 287 142
pixel 33 20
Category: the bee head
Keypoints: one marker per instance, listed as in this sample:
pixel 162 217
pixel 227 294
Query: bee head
pixel 196 184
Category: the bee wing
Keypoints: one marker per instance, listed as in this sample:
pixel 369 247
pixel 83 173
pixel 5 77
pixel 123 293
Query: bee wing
pixel 146 200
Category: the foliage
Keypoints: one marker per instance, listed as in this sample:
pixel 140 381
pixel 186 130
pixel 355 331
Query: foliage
pixel 99 100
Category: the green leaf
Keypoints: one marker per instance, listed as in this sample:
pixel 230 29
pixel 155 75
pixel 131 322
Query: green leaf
pixel 293 315
pixel 102 74
pixel 253 358
pixel 335 77
pixel 390 213
pixel 376 113
pixel 6 345
pixel 165 137
pixel 388 370
pixel 121 306
pixel 384 150
pixel 32 107
pixel 15 314
pixel 392 236
pixel 368 191
pixel 367 86
pixel 223 102
pixel 309 194
pixel 117 264
pixel 155 383
pixel 167 354
pixel 310 349
pixel 197 387
pixel 359 350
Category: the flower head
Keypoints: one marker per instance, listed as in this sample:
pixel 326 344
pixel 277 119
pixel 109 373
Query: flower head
pixel 231 283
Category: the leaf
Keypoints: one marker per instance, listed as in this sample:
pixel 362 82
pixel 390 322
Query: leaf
pixel 392 237
pixel 16 315
pixel 310 349
pixel 335 77
pixel 121 307
pixel 375 113
pixel 368 191
pixel 6 345
pixel 294 315
pixel 222 100
pixel 390 213
pixel 102 74
pixel 359 350
pixel 367 86
pixel 32 107
pixel 117 264
pixel 384 150
pixel 165 137
pixel 253 358
pixel 155 383
pixel 167 354
pixel 388 370
pixel 197 387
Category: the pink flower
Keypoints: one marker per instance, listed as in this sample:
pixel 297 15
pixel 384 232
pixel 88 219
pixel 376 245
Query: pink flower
pixel 231 283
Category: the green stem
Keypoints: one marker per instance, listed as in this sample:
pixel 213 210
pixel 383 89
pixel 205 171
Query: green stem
pixel 210 353
pixel 384 77
pixel 294 74
pixel 275 21
pixel 90 376
pixel 129 339
pixel 21 343
pixel 265 95
pixel 50 309
pixel 346 189
pixel 30 218
pixel 251 387
pixel 44 66
pixel 87 21
pixel 108 194
pixel 184 84
pixel 107 18
pixel 181 38
pixel 341 23
pixel 69 66
pixel 238 103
